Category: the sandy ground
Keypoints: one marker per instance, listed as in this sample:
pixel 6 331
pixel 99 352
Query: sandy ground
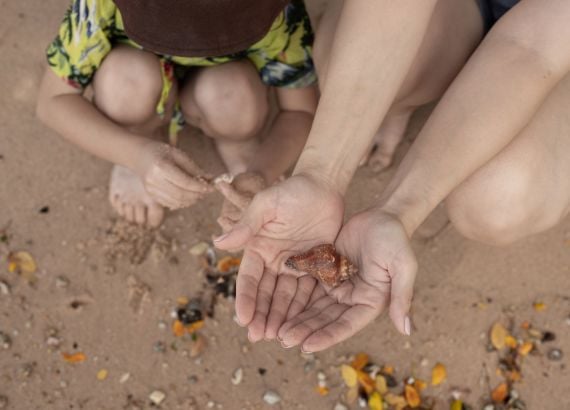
pixel 462 287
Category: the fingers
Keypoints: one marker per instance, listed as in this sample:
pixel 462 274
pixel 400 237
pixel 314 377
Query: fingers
pixel 241 201
pixel 249 276
pixel 226 223
pixel 261 211
pixel 305 288
pixel 140 213
pixel 403 275
pixel 155 215
pixel 282 296
pixel 174 195
pixel 188 165
pixel 312 311
pixel 162 198
pixel 298 333
pixel 346 325
pixel 171 172
pixel 256 329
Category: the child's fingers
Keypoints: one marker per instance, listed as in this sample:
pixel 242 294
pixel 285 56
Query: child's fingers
pixel 178 196
pixel 175 175
pixel 188 165
pixel 233 195
pixel 160 197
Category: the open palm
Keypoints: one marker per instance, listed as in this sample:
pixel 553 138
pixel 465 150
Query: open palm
pixel 283 220
pixel 378 244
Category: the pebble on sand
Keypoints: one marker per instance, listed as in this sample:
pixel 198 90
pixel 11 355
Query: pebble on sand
pixel 5 341
pixel 340 406
pixel 157 397
pixel 4 288
pixel 271 397
pixel 555 355
pixel 237 376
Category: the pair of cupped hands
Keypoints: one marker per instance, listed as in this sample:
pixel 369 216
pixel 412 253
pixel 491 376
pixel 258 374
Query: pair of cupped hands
pixel 276 302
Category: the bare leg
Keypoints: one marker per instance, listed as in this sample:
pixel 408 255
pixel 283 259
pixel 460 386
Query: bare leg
pixel 127 88
pixel 525 189
pixel 455 30
pixel 230 104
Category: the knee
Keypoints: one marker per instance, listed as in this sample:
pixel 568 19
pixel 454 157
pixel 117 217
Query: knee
pixel 128 86
pixel 493 212
pixel 233 105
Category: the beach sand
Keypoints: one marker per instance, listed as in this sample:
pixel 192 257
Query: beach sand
pixel 108 290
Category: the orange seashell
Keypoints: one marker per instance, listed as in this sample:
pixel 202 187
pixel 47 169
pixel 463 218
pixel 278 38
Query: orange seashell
pixel 324 263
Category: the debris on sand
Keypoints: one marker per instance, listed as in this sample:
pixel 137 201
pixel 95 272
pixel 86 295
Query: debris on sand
pixel 157 397
pixel 371 385
pixel 237 376
pixel 139 292
pixel 23 264
pixel 126 241
pixel 271 397
pixel 5 341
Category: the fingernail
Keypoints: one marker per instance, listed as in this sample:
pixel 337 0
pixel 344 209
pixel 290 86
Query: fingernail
pixel 285 345
pixel 306 351
pixel 407 326
pixel 221 237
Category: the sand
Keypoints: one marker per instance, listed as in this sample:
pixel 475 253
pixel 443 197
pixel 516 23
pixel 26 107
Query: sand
pixel 108 292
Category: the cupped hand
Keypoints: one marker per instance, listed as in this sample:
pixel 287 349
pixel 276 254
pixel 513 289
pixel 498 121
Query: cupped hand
pixel 377 242
pixel 170 177
pixel 289 217
pixel 237 196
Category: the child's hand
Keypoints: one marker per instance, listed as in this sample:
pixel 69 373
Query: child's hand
pixel 170 177
pixel 238 196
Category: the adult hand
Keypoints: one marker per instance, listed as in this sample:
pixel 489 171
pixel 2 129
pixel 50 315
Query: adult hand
pixel 238 195
pixel 283 220
pixel 377 242
pixel 170 177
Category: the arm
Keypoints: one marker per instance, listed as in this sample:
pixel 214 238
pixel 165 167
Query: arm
pixel 489 103
pixel 278 151
pixel 288 133
pixel 63 108
pixel 165 171
pixel 360 84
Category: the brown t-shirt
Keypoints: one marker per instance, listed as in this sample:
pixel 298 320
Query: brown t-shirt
pixel 198 27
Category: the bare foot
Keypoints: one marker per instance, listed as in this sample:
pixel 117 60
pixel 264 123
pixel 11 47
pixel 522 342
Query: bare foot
pixel 129 198
pixel 236 155
pixel 386 140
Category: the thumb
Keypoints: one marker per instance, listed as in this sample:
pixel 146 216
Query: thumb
pixel 259 212
pixel 403 274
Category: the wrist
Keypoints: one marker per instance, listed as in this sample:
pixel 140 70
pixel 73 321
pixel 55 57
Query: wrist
pixel 328 172
pixel 411 211
pixel 140 155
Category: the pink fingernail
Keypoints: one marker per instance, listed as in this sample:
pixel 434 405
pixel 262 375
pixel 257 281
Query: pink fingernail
pixel 407 326
pixel 221 237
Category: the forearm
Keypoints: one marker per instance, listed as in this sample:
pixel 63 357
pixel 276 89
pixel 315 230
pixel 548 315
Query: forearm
pixel 283 144
pixel 489 103
pixel 78 121
pixel 374 46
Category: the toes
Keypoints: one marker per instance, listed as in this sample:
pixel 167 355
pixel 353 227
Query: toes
pixel 140 214
pixel 129 212
pixel 155 215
